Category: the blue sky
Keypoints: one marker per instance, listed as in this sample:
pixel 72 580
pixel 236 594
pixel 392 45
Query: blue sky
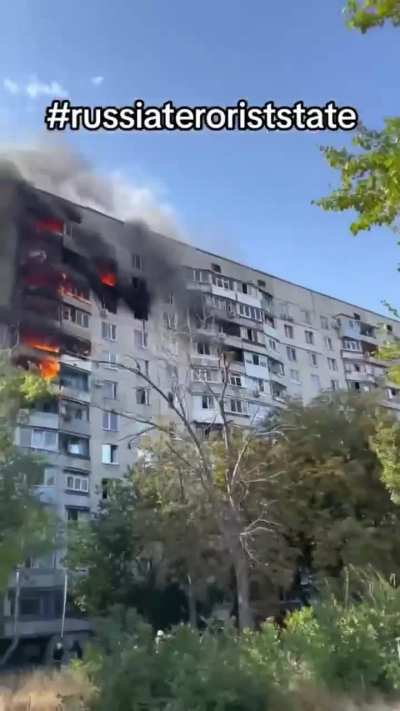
pixel 244 195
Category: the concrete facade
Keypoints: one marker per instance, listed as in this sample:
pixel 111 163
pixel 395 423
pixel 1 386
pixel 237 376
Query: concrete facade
pixel 288 341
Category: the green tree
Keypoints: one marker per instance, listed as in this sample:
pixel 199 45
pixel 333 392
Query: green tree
pixel 26 527
pixel 365 14
pixel 370 185
pixel 330 499
pixel 369 176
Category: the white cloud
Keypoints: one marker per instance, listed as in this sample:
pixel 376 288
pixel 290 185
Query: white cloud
pixel 97 80
pixel 36 88
pixel 11 86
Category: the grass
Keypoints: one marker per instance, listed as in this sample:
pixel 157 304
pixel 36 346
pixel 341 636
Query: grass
pixel 69 691
pixel 44 691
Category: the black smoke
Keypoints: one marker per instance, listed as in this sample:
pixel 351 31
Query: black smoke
pixel 100 255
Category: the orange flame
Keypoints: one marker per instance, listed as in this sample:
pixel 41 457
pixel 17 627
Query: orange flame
pixel 32 342
pixel 49 225
pixel 108 278
pixel 49 368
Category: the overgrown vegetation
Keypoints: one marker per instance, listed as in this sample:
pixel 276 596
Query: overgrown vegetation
pixel 345 646
pixel 319 501
pixel 20 472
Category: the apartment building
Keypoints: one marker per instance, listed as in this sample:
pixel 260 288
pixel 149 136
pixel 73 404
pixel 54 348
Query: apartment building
pixel 62 309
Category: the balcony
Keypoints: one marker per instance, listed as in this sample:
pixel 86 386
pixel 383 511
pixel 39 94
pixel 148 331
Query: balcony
pixel 76 362
pixel 39 578
pixel 73 461
pixel 47 495
pixel 354 355
pixel 73 425
pixel 42 310
pixel 361 377
pixel 42 420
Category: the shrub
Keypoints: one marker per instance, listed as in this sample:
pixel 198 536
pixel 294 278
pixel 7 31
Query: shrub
pixel 349 646
pixel 215 671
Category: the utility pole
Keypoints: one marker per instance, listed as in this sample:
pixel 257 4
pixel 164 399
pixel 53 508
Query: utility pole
pixel 7 654
pixel 64 607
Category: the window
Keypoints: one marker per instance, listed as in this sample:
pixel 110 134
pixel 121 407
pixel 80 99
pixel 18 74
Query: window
pixel 169 321
pixel 251 335
pixel 334 385
pixel 169 299
pixel 235 380
pixel 314 360
pixel 324 323
pixel 236 406
pixel 142 396
pixel 272 344
pixel 77 514
pixel 137 262
pixel 111 360
pixel 350 345
pixel 291 353
pixel 30 606
pixel 332 364
pixel 256 359
pixel 222 282
pixel 141 339
pixel 275 367
pixel 250 312
pixel 74 411
pixel 205 375
pixel 200 276
pixel 288 331
pixel 309 337
pixel 316 382
pixel 203 348
pixel 109 454
pixel 389 328
pixel 110 389
pixel 39 439
pixel 245 288
pixel 172 372
pixel 49 476
pixel 76 446
pixel 74 379
pixel 328 343
pixel 78 291
pixel 306 316
pixel 295 376
pixel 261 386
pixel 278 391
pixel 261 283
pixel 109 301
pixel 207 402
pixel 108 331
pixel 269 319
pixel 216 268
pixel 110 421
pixel 76 483
pixel 81 318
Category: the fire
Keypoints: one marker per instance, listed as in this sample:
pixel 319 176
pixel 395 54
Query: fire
pixel 108 279
pixel 49 368
pixel 33 342
pixel 56 227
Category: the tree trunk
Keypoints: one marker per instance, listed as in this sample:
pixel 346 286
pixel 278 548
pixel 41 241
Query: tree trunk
pixel 191 603
pixel 241 567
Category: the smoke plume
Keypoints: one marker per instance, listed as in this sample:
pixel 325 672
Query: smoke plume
pixel 58 170
pixel 37 187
